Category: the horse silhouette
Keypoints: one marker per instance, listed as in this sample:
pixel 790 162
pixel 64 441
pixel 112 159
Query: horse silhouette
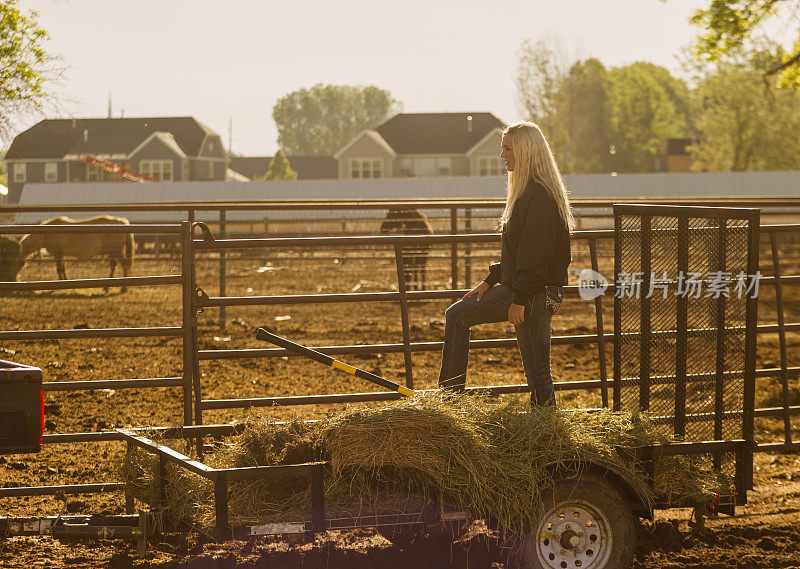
pixel 117 247
pixel 415 258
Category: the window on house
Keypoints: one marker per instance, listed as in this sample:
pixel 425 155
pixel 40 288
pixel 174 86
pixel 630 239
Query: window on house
pixel 93 173
pixel 366 168
pixel 210 169
pixel 20 172
pixel 50 172
pixel 185 170
pixel 425 167
pixel 158 169
pixel 490 166
pixel 406 167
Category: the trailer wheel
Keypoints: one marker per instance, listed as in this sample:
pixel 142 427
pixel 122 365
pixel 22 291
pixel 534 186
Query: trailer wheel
pixel 587 524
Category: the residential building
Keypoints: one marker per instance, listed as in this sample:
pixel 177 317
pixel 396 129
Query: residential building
pixel 426 145
pixel 165 148
pixel 678 157
pixel 307 167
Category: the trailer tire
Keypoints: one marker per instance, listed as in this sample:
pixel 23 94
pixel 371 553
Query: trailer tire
pixel 587 524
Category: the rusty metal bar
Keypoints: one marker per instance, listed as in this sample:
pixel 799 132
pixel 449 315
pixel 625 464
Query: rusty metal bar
pixel 616 403
pixel 751 339
pixel 112 384
pixel 223 289
pixel 64 488
pixel 92 283
pixel 187 324
pixel 776 270
pixel 601 344
pixel 384 348
pixel 168 453
pixel 166 331
pixel 644 320
pixel 326 298
pixel 401 287
pixel 681 327
pixel 222 527
pixel 468 250
pixel 719 364
pixel 89 228
pixel 211 243
pixel 285 401
pixel 277 471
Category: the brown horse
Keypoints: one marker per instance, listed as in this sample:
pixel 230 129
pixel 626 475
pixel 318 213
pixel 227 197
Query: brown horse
pixel 415 259
pixel 118 247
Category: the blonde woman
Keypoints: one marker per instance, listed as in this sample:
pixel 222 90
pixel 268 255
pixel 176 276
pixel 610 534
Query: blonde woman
pixel 525 287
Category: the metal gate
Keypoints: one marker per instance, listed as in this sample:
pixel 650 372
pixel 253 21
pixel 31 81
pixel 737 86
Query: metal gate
pixel 685 323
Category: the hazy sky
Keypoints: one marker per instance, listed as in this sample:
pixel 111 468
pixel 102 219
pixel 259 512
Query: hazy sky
pixel 219 60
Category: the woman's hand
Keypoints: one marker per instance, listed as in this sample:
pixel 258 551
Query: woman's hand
pixel 516 314
pixel 479 290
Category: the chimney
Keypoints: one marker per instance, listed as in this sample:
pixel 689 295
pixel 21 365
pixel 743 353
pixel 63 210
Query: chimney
pixel 469 123
pixel 85 135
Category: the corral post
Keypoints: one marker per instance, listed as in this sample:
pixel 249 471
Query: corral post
pixel 601 339
pixel 617 313
pixel 222 527
pixel 162 482
pixel 187 287
pixel 750 343
pixel 776 272
pixel 719 372
pixel 453 249
pixel 644 318
pixel 401 287
pixel 468 249
pixel 318 522
pixel 222 267
pixel 681 325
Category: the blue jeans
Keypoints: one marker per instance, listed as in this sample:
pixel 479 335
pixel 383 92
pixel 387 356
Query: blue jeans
pixel 533 339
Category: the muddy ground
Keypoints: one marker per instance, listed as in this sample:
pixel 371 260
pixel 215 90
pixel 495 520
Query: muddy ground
pixel 765 533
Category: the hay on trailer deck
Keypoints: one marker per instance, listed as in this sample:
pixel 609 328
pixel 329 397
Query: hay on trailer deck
pixel 491 458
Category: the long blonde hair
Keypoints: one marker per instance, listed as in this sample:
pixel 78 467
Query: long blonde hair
pixel 534 161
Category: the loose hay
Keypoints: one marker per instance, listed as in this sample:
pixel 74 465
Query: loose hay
pixel 491 458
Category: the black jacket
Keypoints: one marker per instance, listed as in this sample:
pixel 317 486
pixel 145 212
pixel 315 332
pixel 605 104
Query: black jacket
pixel 535 247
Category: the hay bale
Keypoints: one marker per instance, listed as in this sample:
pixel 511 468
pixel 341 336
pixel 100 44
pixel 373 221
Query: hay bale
pixel 490 458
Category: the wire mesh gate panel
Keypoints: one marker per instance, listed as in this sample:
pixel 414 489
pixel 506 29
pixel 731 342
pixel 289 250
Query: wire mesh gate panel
pixel 685 322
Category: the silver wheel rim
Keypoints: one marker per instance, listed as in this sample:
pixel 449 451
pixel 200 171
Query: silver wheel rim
pixel 574 535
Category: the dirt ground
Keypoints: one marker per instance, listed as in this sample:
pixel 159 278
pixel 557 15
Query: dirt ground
pixel 765 533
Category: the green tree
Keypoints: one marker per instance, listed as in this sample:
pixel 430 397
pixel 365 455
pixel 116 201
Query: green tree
pixel 730 24
pixel 648 106
pixel 582 126
pixel 279 169
pixel 25 64
pixel 324 118
pixel 742 129
pixel 541 71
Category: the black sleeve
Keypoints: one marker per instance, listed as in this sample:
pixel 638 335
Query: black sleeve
pixel 535 249
pixel 494 274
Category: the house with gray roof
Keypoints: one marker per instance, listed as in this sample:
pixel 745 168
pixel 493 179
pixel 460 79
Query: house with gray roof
pixel 164 148
pixel 426 145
